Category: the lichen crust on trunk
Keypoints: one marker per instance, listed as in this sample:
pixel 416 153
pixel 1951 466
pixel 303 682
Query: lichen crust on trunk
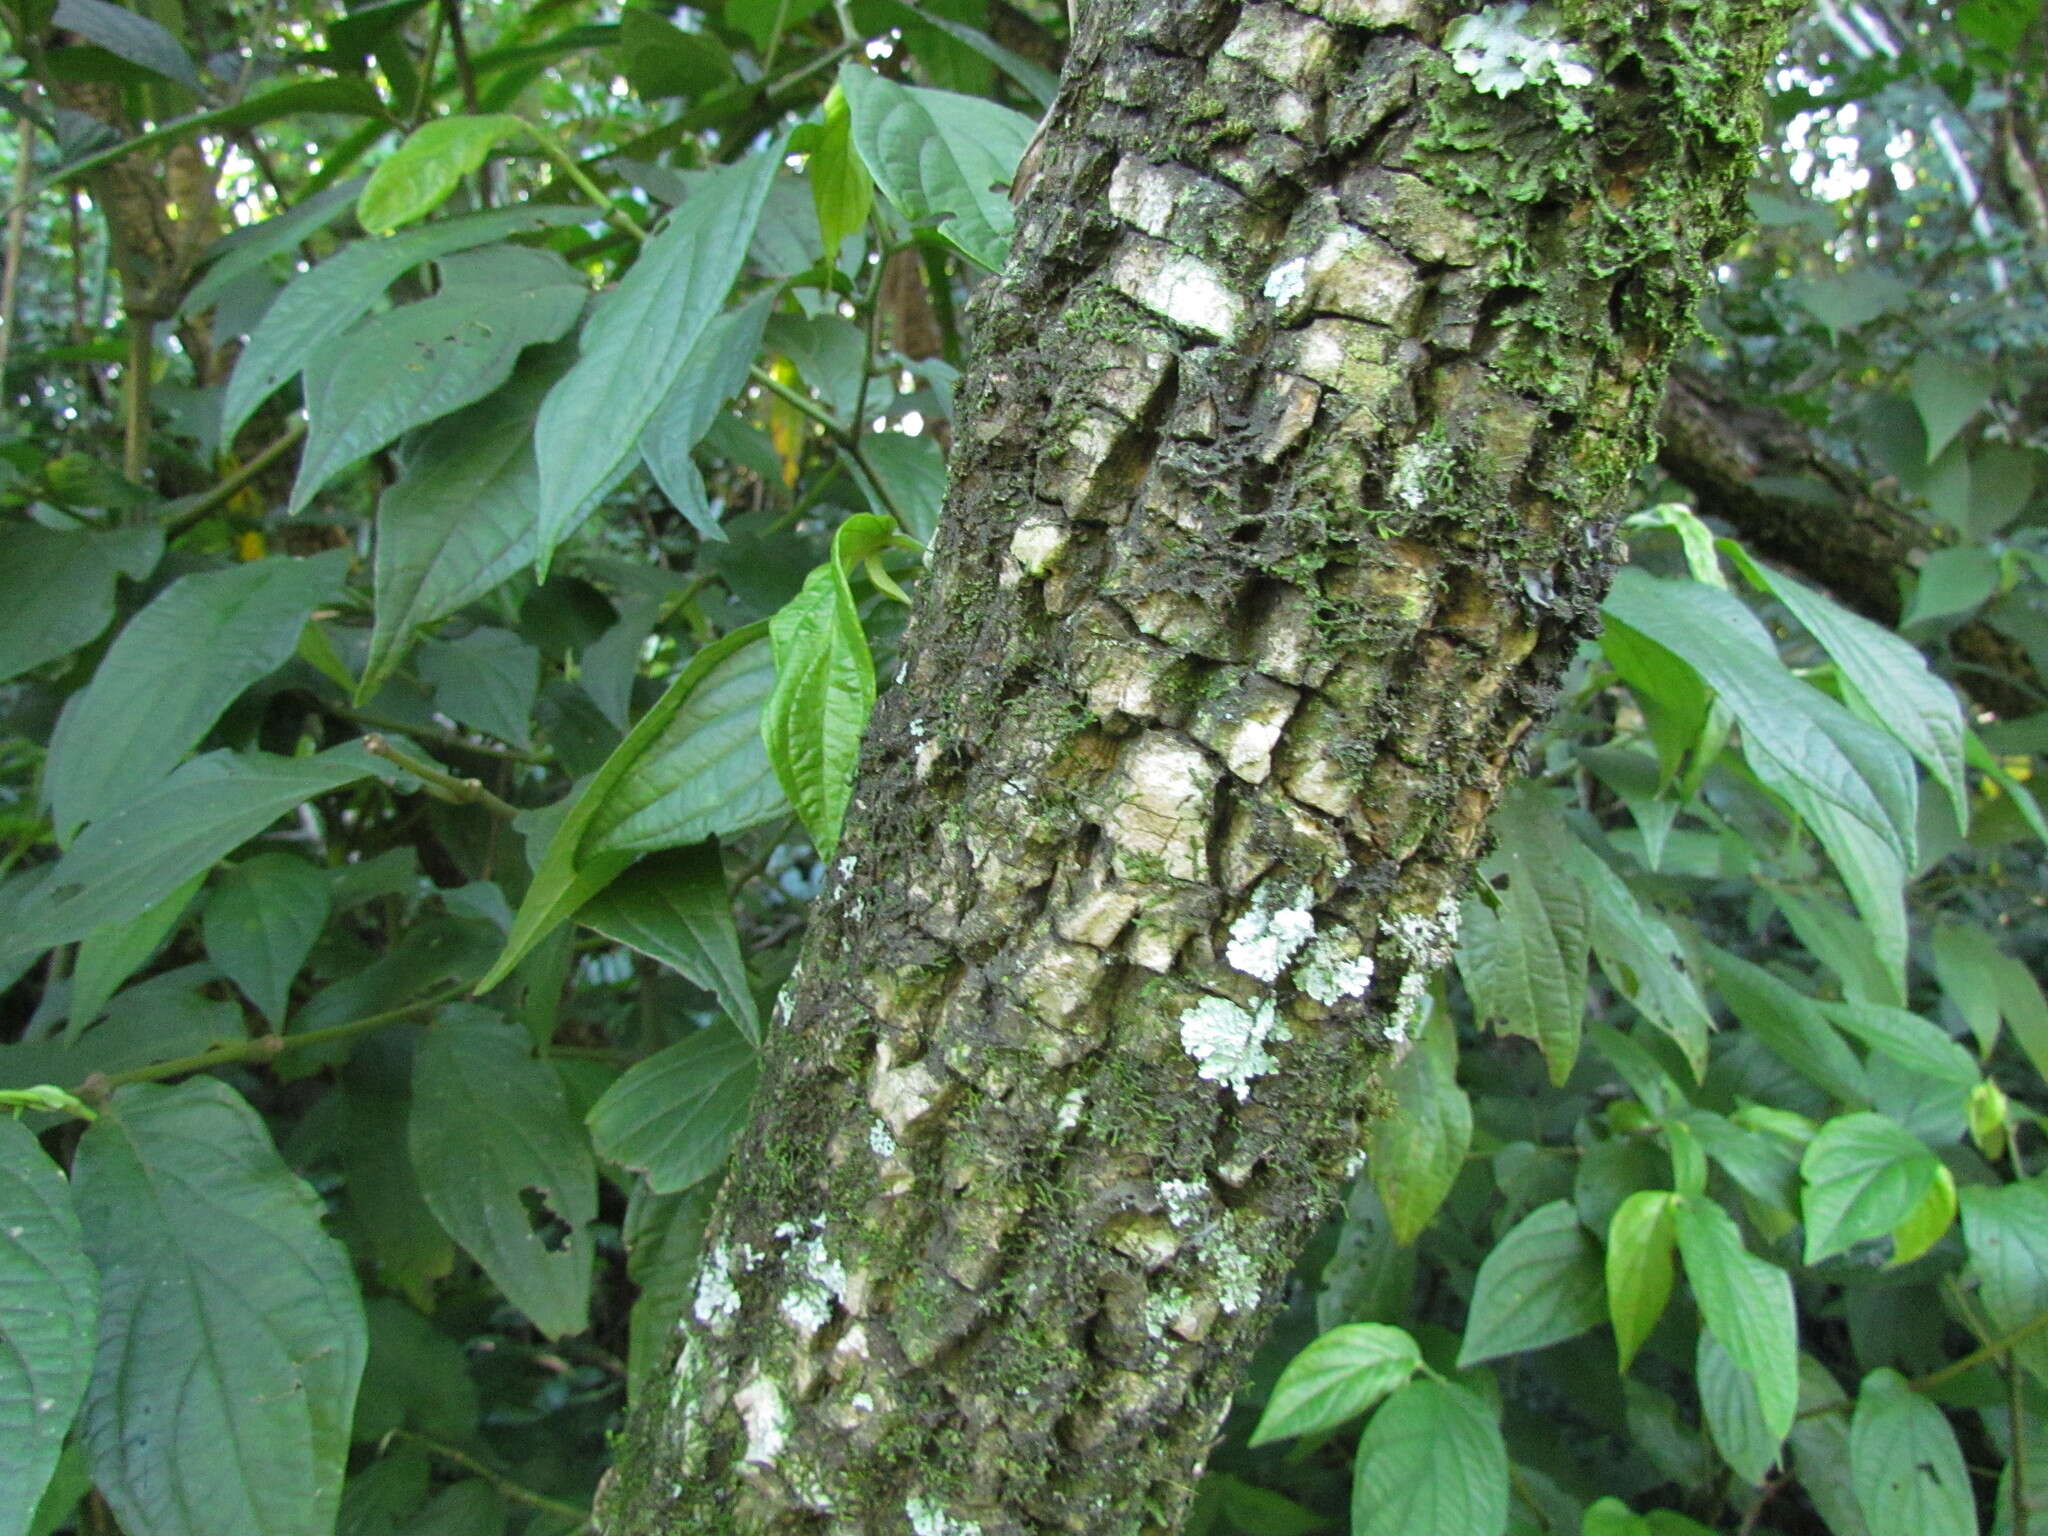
pixel 1283 492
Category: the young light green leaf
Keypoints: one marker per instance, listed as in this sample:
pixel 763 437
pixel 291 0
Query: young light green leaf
pixel 2005 1230
pixel 1863 1176
pixel 176 666
pixel 1524 961
pixel 429 165
pixel 60 588
pixel 714 372
pixel 1734 1418
pixel 1541 1283
pixel 672 1116
pixel 230 1322
pixel 49 1301
pixel 320 304
pixel 423 361
pixel 674 908
pixel 1909 1471
pixel 824 685
pixel 1338 1376
pixel 1418 1151
pixel 109 956
pixel 1947 392
pixel 945 161
pixel 841 189
pixel 1928 1221
pixel 504 1166
pixel 486 680
pixel 261 920
pixel 637 343
pixel 124 864
pixel 1747 1304
pixel 573 870
pixel 1431 1463
pixel 1640 1239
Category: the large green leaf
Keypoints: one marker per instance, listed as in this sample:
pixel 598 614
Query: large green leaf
pixel 1733 1414
pixel 322 303
pixel 261 920
pixel 1643 958
pixel 1864 1176
pixel 841 189
pixel 705 773
pixel 672 1116
pixel 944 160
pixel 673 907
pixel 1541 1283
pixel 1419 1149
pixel 908 477
pixel 243 250
pixel 174 668
pixel 1640 1238
pixel 49 1300
pixel 129 36
pixel 461 518
pixel 126 863
pixel 231 1335
pixel 60 588
pixel 1790 1024
pixel 486 680
pixel 1910 1477
pixel 423 361
pixel 1747 1305
pixel 2005 1230
pixel 504 1166
pixel 418 175
pixel 1431 1463
pixel 1340 1375
pixel 1524 958
pixel 1907 1039
pixel 712 374
pixel 109 956
pixel 1947 392
pixel 637 343
pixel 824 684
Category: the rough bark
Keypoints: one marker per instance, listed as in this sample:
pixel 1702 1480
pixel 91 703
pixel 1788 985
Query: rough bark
pixel 1283 491
pixel 1793 502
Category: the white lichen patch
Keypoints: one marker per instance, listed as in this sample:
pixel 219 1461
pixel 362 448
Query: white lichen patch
pixel 1160 803
pixel 1411 1008
pixel 1070 1108
pixel 1269 934
pixel 1287 282
pixel 1237 1275
pixel 929 1519
pixel 1168 1309
pixel 1414 466
pixel 1187 1201
pixel 766 1417
pixel 1228 1043
pixel 1506 47
pixel 880 1141
pixel 1334 967
pixel 1180 288
pixel 1426 938
pixel 816 1287
pixel 717 1298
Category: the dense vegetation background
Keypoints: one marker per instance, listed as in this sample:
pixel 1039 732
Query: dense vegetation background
pixel 440 597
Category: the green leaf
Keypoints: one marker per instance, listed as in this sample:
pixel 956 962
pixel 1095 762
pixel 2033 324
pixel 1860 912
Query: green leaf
pixel 1863 1177
pixel 1039 83
pixel 1638 1268
pixel 1734 1419
pixel 660 59
pixel 109 956
pixel 320 304
pixel 1928 1221
pixel 912 473
pixel 504 1166
pixel 841 189
pixel 1790 1024
pixel 124 864
pixel 126 35
pixel 824 685
pixel 244 250
pixel 572 870
pixel 638 342
pixel 1967 961
pixel 705 772
pixel 231 1335
pixel 1889 684
pixel 1952 583
pixel 674 908
pixel 49 1300
pixel 714 372
pixel 1820 1450
pixel 460 520
pixel 2005 1230
pixel 664 1238
pixel 1418 1150
pixel 261 920
pixel 1339 1375
pixel 1431 1463
pixel 422 361
pixel 1541 1283
pixel 1909 1471
pixel 417 1378
pixel 1524 960
pixel 1947 392
pixel 673 1116
pixel 429 165
pixel 945 161
pixel 1907 1039
pixel 68 1485
pixel 1747 1305
pixel 60 588
pixel 176 666
pixel 487 680
pixel 1643 958
pixel 401 1237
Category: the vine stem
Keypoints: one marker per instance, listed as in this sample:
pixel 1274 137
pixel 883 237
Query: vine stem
pixel 519 1493
pixel 210 501
pixel 614 215
pixel 441 785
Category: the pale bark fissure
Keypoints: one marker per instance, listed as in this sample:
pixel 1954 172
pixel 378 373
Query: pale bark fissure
pixel 1282 494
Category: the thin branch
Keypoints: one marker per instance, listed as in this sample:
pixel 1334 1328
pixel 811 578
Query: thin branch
pixel 458 46
pixel 429 733
pixel 191 512
pixel 441 785
pixel 135 382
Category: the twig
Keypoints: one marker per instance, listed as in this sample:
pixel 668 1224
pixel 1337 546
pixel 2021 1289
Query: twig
pixel 518 1493
pixel 135 396
pixel 614 215
pixel 442 786
pixel 458 46
pixel 17 235
pixel 191 512
pixel 429 733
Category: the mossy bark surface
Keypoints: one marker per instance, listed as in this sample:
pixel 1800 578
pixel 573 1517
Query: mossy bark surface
pixel 1283 492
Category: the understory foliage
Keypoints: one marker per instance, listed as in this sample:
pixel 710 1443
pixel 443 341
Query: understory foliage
pixel 462 475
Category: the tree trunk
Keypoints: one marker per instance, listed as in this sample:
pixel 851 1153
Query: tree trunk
pixel 1282 494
